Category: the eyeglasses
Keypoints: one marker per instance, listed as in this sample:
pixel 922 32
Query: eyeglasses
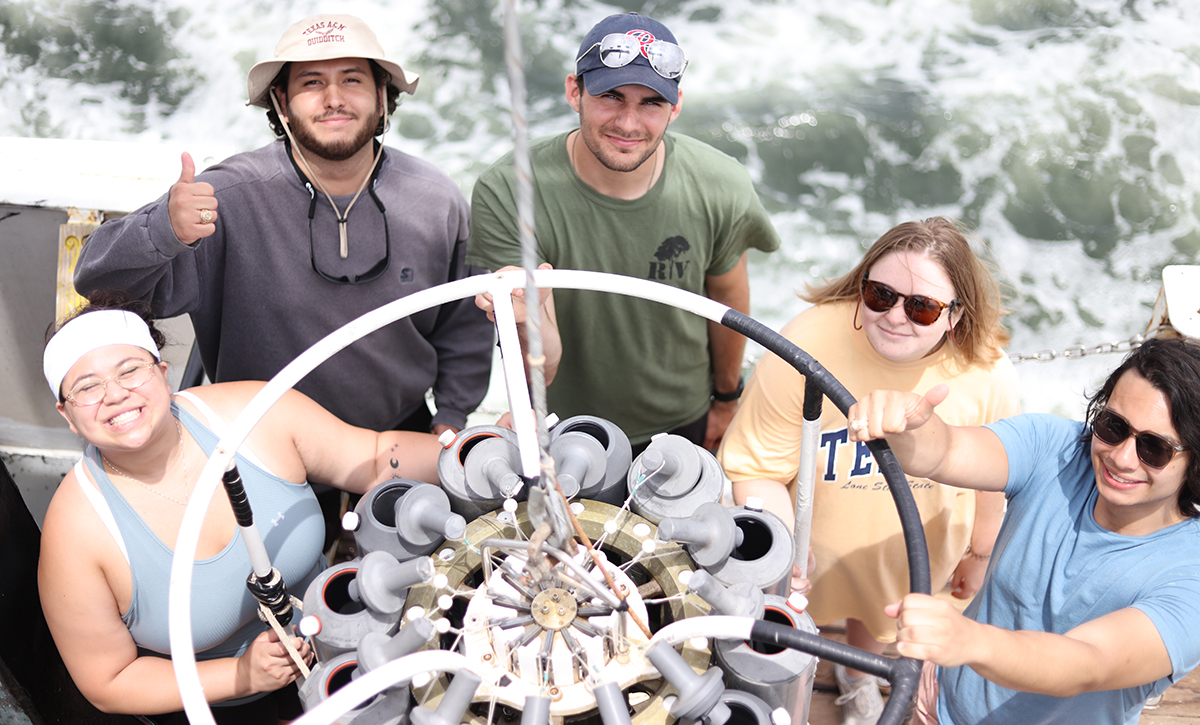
pixel 371 274
pixel 618 50
pixel 1152 449
pixel 922 310
pixel 90 391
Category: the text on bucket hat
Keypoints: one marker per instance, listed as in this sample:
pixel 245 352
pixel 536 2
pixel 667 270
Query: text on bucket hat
pixel 602 78
pixel 324 37
pixel 88 332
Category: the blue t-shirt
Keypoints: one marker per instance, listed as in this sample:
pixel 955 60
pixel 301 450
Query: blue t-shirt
pixel 1055 568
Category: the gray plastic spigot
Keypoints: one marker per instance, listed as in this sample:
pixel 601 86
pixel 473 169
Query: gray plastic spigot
pixel 610 701
pixel 454 703
pixel 499 472
pixel 382 582
pixel 671 465
pixel 699 695
pixel 491 470
pixel 377 649
pixel 423 517
pixel 609 486
pixel 659 463
pixel 709 534
pixel 751 710
pixel 672 477
pixel 740 600
pixel 537 711
pixel 478 469
pixel 765 558
pixel 579 462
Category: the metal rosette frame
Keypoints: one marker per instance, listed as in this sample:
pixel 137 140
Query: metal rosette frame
pixel 902 673
pixel 662 575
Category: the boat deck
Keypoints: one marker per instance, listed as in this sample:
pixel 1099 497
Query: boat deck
pixel 1180 704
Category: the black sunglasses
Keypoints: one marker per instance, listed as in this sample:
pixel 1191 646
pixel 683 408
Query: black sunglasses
pixel 376 271
pixel 878 297
pixel 1152 449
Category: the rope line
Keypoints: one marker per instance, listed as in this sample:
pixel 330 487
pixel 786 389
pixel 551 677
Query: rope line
pixel 268 616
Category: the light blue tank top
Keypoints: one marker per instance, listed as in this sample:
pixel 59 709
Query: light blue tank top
pixel 224 613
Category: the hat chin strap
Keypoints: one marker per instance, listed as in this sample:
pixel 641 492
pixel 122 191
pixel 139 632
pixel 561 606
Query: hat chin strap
pixel 344 243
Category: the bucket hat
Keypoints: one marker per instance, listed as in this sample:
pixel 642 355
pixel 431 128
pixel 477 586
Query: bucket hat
pixel 324 37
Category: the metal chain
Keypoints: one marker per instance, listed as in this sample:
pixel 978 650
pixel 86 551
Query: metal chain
pixel 1077 351
pixel 1074 351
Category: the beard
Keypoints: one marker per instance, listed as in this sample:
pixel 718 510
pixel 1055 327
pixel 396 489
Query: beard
pixel 611 159
pixel 338 150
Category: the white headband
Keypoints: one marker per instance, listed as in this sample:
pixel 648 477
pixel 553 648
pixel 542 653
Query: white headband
pixel 88 332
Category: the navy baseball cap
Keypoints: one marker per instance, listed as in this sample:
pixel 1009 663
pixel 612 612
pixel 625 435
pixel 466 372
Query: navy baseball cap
pixel 601 78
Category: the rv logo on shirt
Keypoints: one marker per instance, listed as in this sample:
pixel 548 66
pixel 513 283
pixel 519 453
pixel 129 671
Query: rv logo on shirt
pixel 667 264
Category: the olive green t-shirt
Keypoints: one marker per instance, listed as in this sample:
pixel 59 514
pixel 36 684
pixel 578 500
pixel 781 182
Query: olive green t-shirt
pixel 640 364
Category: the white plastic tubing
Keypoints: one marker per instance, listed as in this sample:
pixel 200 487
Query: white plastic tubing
pixel 806 481
pixel 380 679
pixel 520 405
pixel 179 608
pixel 711 626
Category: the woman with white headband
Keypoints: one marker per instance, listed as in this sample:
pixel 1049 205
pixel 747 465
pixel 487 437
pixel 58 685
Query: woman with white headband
pixel 111 528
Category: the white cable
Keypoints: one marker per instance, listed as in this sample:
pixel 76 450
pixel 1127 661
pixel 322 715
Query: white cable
pixel 810 442
pixel 630 286
pixel 179 606
pixel 260 561
pixel 379 679
pixel 713 627
pixel 520 406
pixel 532 436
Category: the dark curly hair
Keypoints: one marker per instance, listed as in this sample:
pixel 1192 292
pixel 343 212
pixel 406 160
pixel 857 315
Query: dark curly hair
pixel 110 300
pixel 382 78
pixel 1172 366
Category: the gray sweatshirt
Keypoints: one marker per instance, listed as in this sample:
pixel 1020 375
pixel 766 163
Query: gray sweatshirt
pixel 256 301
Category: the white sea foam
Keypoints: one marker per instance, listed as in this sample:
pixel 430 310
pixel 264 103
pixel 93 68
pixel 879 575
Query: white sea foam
pixel 1019 105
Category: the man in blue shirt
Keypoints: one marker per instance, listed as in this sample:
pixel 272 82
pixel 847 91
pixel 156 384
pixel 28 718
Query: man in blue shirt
pixel 1093 592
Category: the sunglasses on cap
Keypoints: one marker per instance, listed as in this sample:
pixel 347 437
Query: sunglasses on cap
pixel 618 50
pixel 1152 449
pixel 878 297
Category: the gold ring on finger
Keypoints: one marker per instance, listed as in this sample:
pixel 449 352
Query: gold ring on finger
pixel 206 216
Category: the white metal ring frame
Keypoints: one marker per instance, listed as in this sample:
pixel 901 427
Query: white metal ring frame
pixel 500 286
pixel 902 673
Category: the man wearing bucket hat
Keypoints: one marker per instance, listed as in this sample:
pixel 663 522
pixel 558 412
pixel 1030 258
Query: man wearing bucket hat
pixel 271 250
pixel 620 194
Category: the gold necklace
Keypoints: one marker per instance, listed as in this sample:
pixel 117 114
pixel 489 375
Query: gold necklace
pixel 151 489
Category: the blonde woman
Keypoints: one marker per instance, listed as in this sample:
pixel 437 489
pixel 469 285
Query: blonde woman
pixel 919 310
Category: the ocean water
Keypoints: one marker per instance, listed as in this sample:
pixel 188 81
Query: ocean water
pixel 1065 132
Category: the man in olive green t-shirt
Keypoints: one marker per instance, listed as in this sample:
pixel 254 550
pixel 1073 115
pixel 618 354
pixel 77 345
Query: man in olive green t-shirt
pixel 621 195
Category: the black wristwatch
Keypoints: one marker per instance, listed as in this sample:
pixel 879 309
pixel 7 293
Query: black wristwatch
pixel 730 396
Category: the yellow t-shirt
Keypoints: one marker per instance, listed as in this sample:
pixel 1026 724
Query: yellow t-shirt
pixel 856 535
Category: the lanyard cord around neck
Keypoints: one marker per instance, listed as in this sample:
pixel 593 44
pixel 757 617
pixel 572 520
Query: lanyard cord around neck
pixel 344 244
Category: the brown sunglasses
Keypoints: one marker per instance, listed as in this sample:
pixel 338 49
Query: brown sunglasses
pixel 878 297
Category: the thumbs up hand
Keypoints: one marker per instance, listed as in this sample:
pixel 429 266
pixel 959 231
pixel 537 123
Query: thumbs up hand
pixel 192 206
